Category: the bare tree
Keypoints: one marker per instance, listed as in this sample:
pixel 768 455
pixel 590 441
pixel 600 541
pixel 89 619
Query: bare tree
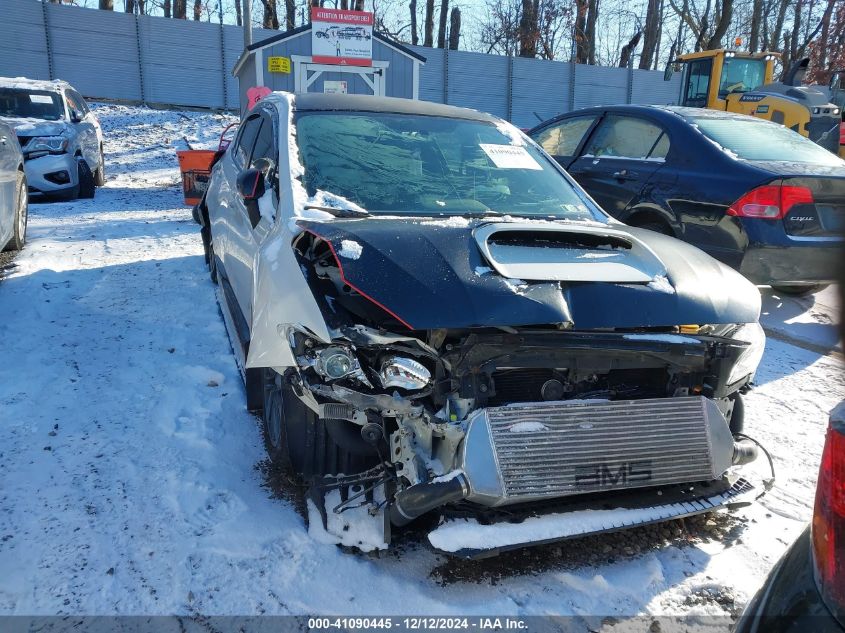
pixel 651 33
pixel 454 29
pixel 180 9
pixel 197 10
pixel 628 50
pixel 290 14
pixel 107 5
pixel 415 36
pixel 271 18
pixel 428 24
pixel 528 29
pixel 441 27
pixel 709 25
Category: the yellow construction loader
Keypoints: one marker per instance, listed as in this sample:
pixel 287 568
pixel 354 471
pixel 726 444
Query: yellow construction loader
pixel 743 82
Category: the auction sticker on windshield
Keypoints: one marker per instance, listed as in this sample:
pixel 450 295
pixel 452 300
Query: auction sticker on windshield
pixel 510 156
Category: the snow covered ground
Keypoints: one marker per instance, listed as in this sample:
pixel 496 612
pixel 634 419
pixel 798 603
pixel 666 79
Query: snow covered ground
pixel 131 477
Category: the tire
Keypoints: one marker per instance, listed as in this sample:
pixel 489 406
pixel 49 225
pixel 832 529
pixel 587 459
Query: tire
pixel 738 414
pixel 100 174
pixel 299 441
pixel 212 261
pixel 799 291
pixel 87 187
pixel 21 216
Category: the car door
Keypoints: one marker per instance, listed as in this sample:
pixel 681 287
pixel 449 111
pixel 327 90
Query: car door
pixel 618 160
pixel 257 144
pixel 562 138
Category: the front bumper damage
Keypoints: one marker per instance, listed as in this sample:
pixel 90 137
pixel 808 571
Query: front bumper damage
pixel 527 384
pixel 509 475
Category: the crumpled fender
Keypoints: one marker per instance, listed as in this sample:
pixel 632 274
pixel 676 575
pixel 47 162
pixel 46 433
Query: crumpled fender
pixel 281 297
pixel 281 300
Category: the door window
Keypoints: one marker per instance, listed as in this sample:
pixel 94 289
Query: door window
pixel 698 83
pixel 661 147
pixel 79 102
pixel 563 138
pixel 73 104
pixel 265 155
pixel 624 137
pixel 246 140
pixel 265 146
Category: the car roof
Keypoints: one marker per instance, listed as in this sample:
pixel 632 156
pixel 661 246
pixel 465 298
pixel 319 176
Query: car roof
pixel 364 103
pixel 660 111
pixel 56 85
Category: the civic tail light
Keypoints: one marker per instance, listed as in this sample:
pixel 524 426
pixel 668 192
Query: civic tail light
pixel 770 201
pixel 829 517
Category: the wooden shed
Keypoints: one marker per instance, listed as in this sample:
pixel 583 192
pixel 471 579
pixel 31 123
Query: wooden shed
pixel 283 62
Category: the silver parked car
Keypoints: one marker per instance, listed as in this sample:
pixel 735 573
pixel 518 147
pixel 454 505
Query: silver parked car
pixel 61 138
pixel 438 323
pixel 13 193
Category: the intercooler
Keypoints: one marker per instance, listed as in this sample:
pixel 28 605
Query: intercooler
pixel 536 451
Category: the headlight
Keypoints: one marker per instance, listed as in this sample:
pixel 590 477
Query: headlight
pixel 751 333
pixel 404 373
pixel 335 362
pixel 51 144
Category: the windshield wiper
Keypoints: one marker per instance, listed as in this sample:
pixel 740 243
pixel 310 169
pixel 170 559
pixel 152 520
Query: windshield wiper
pixel 340 213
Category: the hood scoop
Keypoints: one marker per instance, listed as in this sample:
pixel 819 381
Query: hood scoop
pixel 536 251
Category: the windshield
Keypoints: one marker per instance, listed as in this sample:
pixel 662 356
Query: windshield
pixel 760 140
pixel 21 103
pixel 412 164
pixel 741 75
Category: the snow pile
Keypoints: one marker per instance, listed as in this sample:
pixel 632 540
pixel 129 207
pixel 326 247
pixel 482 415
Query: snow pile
pixel 361 525
pixel 350 249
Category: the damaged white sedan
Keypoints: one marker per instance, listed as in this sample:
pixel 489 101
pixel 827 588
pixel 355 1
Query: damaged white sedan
pixel 439 325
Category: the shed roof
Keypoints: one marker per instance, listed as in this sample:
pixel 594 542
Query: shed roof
pixel 301 30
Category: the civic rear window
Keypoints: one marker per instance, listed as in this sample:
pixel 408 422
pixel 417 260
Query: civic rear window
pixel 760 140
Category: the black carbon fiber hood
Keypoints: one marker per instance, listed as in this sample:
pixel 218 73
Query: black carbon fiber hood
pixel 430 273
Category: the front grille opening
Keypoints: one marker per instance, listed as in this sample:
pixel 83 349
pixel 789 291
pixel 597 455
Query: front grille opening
pixel 533 385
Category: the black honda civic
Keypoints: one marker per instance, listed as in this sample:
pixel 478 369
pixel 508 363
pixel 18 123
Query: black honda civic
pixel 751 193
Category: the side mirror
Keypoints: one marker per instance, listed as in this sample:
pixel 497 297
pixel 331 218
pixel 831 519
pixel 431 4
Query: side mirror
pixel 251 187
pixel 667 74
pixel 76 116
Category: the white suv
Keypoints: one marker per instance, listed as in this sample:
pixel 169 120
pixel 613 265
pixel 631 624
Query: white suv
pixel 61 138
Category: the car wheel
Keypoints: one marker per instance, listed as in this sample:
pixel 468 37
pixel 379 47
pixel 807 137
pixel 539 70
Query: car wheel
pixel 212 261
pixel 87 188
pixel 302 442
pixel 737 423
pixel 799 291
pixel 21 216
pixel 100 174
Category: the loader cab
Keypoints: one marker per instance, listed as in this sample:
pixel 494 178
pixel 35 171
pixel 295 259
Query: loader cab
pixel 711 76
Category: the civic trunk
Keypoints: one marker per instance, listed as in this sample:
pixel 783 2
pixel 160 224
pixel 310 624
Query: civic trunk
pixel 820 211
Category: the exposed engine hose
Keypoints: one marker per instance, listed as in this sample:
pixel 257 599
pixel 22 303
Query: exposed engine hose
pixel 415 501
pixel 769 483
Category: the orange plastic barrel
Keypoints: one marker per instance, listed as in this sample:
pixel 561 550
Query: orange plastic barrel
pixel 195 166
